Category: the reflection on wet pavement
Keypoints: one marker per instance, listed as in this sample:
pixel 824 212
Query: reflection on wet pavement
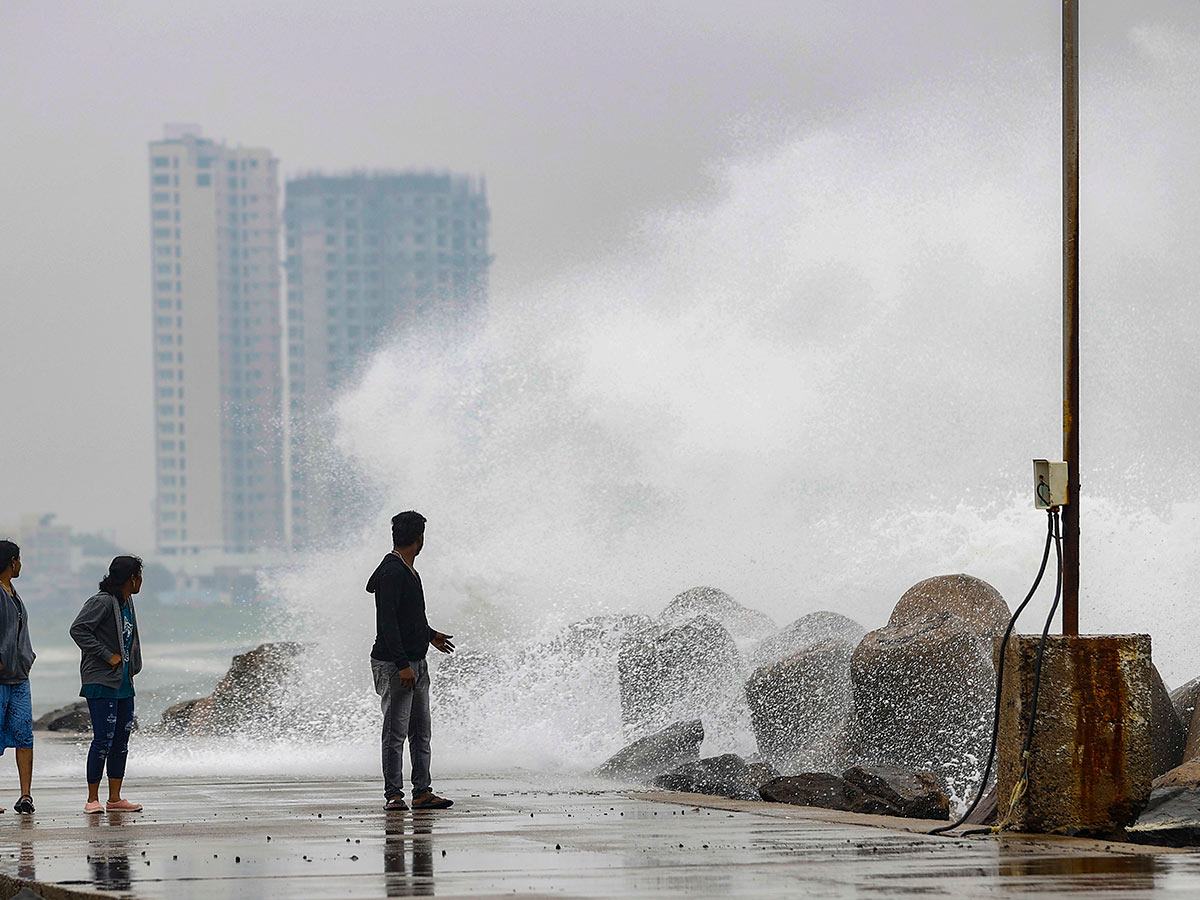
pixel 403 837
pixel 1092 873
pixel 300 839
pixel 109 864
pixel 26 867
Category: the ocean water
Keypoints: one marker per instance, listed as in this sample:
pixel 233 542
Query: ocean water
pixel 172 671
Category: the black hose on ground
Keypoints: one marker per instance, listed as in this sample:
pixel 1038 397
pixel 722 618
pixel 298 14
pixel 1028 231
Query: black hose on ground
pixel 1051 537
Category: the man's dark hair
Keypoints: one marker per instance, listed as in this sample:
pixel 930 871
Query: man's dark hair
pixel 406 528
pixel 8 552
pixel 120 570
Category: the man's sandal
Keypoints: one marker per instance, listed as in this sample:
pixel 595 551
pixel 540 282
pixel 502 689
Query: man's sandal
pixel 24 805
pixel 431 801
pixel 396 804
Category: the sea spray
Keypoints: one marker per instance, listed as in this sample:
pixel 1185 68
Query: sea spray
pixel 814 391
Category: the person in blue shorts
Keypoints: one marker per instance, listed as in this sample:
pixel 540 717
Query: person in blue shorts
pixel 16 659
pixel 111 654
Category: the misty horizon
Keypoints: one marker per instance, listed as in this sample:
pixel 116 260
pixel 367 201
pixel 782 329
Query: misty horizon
pixel 589 125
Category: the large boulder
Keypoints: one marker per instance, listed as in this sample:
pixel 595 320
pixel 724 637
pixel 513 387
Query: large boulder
pixel 599 634
pixel 892 791
pixel 727 775
pixel 1184 699
pixel 823 789
pixel 799 702
pixel 796 702
pixel 1168 733
pixel 987 810
pixel 692 671
pixel 187 717
pixel 249 699
pixel 924 685
pixel 874 790
pixel 743 623
pixel 816 629
pixel 661 752
pixel 1172 816
pixel 71 719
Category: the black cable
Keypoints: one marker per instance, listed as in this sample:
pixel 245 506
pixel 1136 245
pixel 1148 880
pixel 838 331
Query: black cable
pixel 1051 533
pixel 1037 669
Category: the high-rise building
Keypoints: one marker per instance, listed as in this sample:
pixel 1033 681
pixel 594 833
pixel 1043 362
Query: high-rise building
pixel 217 345
pixel 48 555
pixel 368 255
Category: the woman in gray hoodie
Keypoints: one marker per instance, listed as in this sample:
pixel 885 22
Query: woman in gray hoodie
pixel 107 634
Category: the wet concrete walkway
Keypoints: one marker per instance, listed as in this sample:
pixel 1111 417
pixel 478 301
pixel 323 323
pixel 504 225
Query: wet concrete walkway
pixel 514 836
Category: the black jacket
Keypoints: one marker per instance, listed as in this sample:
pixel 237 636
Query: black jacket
pixel 99 631
pixel 402 632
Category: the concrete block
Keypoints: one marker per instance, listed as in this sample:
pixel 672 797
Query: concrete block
pixel 1092 760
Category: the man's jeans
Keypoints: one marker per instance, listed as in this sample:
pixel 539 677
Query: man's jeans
pixel 405 715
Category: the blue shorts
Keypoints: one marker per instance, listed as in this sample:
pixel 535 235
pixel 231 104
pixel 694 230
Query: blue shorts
pixel 16 716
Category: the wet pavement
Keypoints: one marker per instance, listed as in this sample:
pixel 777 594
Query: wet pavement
pixel 276 838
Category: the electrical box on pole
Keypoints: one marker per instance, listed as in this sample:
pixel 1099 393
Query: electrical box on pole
pixel 1050 484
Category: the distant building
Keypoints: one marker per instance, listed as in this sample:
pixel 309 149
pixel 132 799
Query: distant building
pixel 47 558
pixel 219 578
pixel 217 344
pixel 60 567
pixel 368 255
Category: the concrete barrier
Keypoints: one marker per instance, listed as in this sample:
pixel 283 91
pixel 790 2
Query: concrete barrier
pixel 1093 753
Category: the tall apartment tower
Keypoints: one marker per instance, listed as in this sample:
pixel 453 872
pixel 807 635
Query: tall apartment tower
pixel 214 214
pixel 368 256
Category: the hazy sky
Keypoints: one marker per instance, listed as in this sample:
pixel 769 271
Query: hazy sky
pixel 585 117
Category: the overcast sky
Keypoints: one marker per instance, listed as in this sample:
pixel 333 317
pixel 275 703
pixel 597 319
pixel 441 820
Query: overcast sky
pixel 585 117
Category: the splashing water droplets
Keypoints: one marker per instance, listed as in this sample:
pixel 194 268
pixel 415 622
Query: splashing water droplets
pixel 813 392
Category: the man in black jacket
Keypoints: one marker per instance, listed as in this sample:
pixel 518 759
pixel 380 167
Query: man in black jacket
pixel 398 665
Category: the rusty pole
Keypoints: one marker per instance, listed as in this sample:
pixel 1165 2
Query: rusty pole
pixel 1070 194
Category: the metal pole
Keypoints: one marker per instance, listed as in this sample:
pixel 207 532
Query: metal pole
pixel 1070 188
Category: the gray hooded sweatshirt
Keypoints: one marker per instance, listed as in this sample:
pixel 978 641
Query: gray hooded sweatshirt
pixel 15 650
pixel 98 631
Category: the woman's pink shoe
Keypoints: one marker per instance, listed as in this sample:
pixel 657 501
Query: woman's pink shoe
pixel 123 806
pixel 93 806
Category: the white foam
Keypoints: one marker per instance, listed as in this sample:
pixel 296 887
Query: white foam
pixel 820 388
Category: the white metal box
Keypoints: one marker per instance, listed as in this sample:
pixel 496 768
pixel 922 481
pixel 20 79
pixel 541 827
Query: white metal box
pixel 1049 484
